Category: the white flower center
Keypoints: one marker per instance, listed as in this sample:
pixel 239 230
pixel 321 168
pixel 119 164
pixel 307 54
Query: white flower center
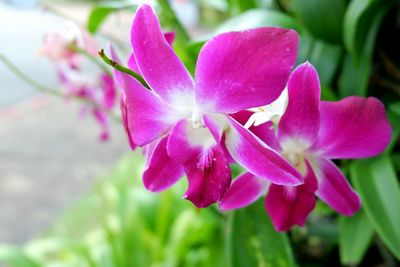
pixel 184 102
pixel 294 152
pixel 272 112
pixel 197 118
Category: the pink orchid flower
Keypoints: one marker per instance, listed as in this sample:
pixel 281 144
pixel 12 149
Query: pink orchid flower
pixel 99 91
pixel 310 134
pixel 235 71
pixel 152 176
pixel 57 45
pixel 169 37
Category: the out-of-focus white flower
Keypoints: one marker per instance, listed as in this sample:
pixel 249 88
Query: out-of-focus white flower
pixel 59 44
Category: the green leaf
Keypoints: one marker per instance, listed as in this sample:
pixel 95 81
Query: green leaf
pixel 236 170
pixel 15 257
pixel 257 18
pixel 306 44
pixel 254 18
pixel 323 19
pixel 361 23
pixel 353 78
pixel 395 108
pixel 328 94
pixel 220 5
pixel 376 182
pixel 253 241
pixel 355 235
pixel 101 11
pixel 360 29
pixel 396 161
pixel 357 65
pixel 394 119
pixel 326 58
pixel 239 6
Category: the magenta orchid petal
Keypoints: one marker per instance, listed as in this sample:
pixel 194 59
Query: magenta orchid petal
pixel 239 70
pixel 117 74
pixel 209 178
pixel 263 131
pixel 125 120
pixel 169 37
pixel 132 63
pixel 290 205
pixel 301 119
pixel 186 143
pixel 162 171
pixel 204 161
pixel 212 123
pixel 148 149
pixel 254 155
pixel 334 189
pixel 354 127
pixel 109 92
pixel 148 117
pixel 120 80
pixel 244 190
pixel 157 62
pixel 215 124
pixel 101 118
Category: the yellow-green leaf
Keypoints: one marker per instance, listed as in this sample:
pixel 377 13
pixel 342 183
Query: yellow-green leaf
pixel 253 241
pixel 355 234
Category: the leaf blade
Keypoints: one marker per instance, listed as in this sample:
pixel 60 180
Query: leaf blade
pixel 377 184
pixel 323 19
pixel 253 241
pixel 257 18
pixel 101 11
pixel 355 235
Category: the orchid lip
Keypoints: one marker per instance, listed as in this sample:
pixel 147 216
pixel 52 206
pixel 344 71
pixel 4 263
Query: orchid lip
pixel 295 151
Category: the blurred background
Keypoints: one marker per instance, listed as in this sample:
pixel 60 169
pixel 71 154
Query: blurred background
pixel 49 156
pixel 71 198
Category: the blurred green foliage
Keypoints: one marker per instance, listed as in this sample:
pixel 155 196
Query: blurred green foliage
pixel 121 224
pixel 252 240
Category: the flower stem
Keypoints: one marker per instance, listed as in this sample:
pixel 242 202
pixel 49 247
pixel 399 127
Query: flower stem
pixel 20 74
pixel 47 90
pixel 121 68
pixel 89 56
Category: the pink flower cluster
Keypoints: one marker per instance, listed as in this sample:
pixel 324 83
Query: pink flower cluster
pixel 226 114
pixel 65 48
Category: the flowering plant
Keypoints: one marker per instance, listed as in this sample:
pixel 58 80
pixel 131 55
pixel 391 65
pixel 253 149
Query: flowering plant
pixel 277 123
pixel 195 127
pixel 67 48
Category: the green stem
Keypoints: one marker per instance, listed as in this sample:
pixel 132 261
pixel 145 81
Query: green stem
pixel 121 68
pixel 166 7
pixel 89 56
pixel 47 90
pixel 20 74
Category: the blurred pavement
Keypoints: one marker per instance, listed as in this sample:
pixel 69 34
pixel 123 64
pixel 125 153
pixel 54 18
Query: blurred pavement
pixel 49 157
